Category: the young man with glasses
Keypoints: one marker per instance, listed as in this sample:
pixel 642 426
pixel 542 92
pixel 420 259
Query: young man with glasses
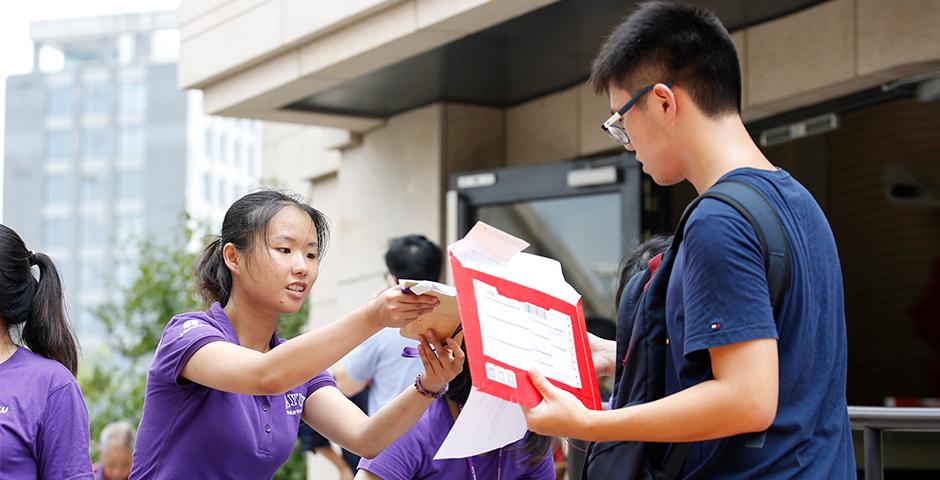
pixel 754 397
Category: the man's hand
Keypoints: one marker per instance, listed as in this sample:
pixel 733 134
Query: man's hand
pixel 604 354
pixel 559 414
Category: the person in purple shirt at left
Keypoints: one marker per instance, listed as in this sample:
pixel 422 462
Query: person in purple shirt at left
pixel 225 395
pixel 43 419
pixel 411 457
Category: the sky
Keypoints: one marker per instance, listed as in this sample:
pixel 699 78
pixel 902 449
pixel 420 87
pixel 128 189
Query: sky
pixel 16 49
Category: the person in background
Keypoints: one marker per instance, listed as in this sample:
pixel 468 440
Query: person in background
pixel 378 362
pixel 312 441
pixel 377 366
pixel 412 455
pixel 115 452
pixel 43 418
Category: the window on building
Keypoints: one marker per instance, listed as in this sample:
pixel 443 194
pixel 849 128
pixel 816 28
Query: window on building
pixel 96 99
pixel 206 188
pixel 59 102
pixel 207 144
pixel 253 170
pixel 93 186
pixel 128 229
pixel 58 146
pixel 130 185
pixel 55 233
pixel 96 143
pixel 224 151
pixel 57 189
pixel 237 153
pixel 221 192
pixel 132 143
pixel 132 99
pixel 93 277
pixel 92 232
pixel 125 272
pixel 64 268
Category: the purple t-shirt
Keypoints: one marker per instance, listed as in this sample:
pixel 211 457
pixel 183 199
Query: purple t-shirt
pixel 191 431
pixel 43 420
pixel 412 455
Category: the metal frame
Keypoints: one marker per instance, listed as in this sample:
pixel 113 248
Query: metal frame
pixel 875 420
pixel 540 182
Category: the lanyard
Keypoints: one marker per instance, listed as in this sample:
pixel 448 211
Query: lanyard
pixel 499 457
pixel 499 466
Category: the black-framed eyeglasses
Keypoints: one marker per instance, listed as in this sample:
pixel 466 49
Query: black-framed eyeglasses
pixel 617 132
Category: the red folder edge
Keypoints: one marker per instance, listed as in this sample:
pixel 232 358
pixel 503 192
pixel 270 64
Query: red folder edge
pixel 525 392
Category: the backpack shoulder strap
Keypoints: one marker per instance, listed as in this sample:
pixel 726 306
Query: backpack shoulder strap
pixel 753 206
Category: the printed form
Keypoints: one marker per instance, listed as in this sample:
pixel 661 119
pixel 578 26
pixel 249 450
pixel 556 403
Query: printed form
pixel 524 335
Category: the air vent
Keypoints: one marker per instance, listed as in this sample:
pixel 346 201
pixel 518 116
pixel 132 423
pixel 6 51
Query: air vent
pixel 793 131
pixel 476 180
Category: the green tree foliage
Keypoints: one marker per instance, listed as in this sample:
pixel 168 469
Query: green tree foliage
pixel 113 378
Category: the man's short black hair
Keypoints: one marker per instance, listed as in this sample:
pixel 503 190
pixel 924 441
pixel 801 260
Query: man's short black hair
pixel 672 42
pixel 413 257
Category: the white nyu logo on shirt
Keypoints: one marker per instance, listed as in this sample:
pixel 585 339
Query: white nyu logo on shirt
pixel 191 324
pixel 4 409
pixel 294 403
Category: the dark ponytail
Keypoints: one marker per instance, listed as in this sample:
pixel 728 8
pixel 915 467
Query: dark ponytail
pixel 213 278
pixel 245 223
pixel 36 304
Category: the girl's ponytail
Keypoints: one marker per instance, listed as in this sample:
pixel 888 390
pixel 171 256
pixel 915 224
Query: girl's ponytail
pixel 213 278
pixel 47 331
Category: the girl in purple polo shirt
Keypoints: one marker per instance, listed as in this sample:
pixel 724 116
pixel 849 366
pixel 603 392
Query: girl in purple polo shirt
pixel 411 457
pixel 43 419
pixel 225 395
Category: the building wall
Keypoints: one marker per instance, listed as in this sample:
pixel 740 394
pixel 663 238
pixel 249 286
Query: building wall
pixel 110 189
pixel 165 161
pixel 223 162
pixel 25 124
pixel 890 250
pixel 390 185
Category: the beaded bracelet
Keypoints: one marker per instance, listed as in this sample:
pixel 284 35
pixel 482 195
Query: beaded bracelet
pixel 424 393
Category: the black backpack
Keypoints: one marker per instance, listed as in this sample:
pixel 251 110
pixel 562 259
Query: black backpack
pixel 641 337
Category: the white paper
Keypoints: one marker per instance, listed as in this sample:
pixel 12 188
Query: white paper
pixel 420 287
pixel 485 424
pixel 524 335
pixel 485 254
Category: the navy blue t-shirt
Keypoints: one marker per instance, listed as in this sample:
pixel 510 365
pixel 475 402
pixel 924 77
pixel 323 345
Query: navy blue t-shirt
pixel 718 296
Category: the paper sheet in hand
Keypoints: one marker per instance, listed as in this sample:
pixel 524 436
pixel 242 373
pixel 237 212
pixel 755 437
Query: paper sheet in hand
pixel 485 424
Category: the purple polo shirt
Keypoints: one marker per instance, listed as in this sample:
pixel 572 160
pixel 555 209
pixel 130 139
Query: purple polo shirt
pixel 43 420
pixel 191 431
pixel 412 455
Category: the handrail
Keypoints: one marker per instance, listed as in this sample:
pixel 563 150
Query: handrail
pixel 906 419
pixel 874 420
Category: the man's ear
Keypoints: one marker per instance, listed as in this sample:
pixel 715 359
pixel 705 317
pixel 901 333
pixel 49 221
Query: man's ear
pixel 231 256
pixel 666 102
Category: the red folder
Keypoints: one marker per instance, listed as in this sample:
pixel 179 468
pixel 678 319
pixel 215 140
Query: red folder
pixel 501 379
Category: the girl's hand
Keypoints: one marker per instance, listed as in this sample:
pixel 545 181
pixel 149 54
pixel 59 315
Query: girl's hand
pixel 394 308
pixel 442 364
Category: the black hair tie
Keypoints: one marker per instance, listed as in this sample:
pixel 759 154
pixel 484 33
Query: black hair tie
pixel 31 258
